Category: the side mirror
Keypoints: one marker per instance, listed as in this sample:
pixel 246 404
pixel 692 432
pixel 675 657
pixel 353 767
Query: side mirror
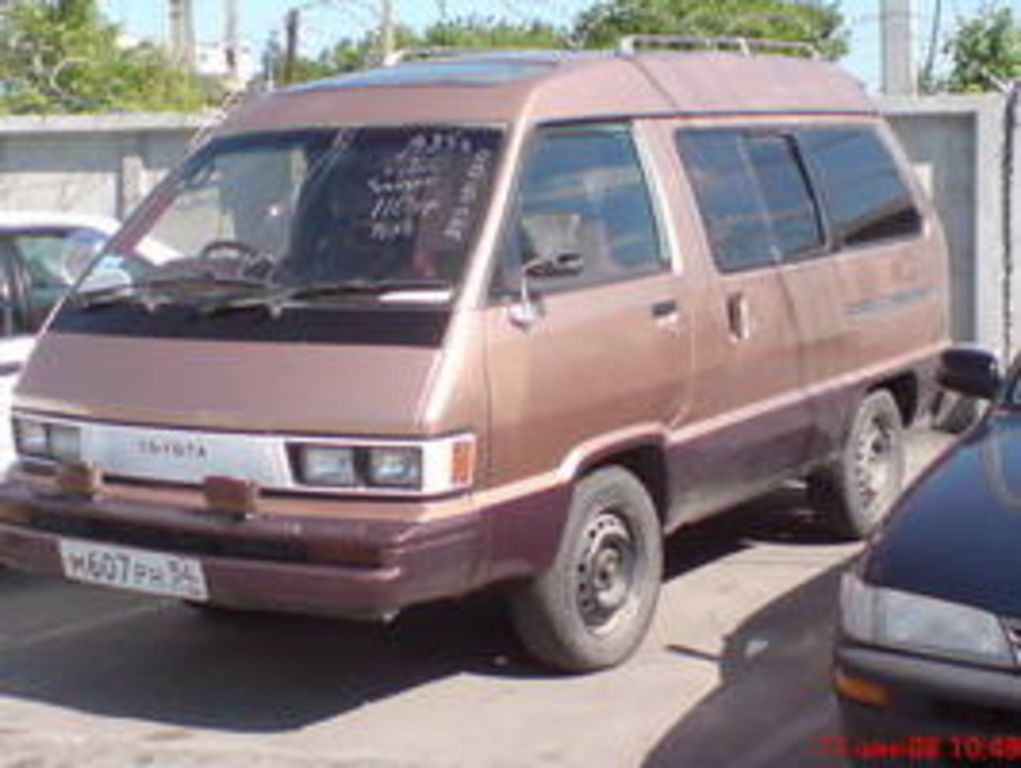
pixel 527 312
pixel 552 243
pixel 556 265
pixel 970 371
pixel 8 297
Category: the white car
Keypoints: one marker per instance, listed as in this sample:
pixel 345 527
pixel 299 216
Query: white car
pixel 41 255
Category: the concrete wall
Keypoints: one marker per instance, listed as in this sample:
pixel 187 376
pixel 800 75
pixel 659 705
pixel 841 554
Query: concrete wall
pixel 956 143
pixel 91 164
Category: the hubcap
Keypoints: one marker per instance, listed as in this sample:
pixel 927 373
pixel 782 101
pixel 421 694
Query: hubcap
pixel 606 567
pixel 875 456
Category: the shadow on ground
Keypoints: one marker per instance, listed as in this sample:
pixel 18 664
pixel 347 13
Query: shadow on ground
pixel 252 673
pixel 171 664
pixel 773 706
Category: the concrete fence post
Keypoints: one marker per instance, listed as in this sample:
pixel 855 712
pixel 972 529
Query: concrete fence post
pixel 130 184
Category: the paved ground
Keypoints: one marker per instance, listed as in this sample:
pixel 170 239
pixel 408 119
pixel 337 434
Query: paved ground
pixel 734 673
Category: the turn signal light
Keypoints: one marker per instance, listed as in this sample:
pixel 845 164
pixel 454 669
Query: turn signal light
pixel 862 691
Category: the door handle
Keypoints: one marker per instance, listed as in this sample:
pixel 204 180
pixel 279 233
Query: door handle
pixel 663 309
pixel 664 315
pixel 739 316
pixel 10 369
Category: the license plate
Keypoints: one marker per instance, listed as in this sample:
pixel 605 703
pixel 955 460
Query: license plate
pixel 140 571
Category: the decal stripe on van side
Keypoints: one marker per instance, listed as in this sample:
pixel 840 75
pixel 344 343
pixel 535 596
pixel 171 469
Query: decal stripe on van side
pixel 890 303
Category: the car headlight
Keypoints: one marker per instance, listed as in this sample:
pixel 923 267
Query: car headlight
pixel 321 465
pixel 399 467
pixel 47 440
pixel 65 443
pixel 922 624
pixel 31 438
pixel 431 466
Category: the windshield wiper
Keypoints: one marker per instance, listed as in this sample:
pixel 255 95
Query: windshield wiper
pixel 365 287
pixel 142 292
pixel 275 301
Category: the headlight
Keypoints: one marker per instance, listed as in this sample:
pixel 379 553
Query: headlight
pixel 395 467
pixel 31 438
pixel 328 466
pixel 432 466
pixel 926 625
pixel 47 440
pixel 65 443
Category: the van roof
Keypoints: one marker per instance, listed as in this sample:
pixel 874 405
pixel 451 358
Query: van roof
pixel 503 87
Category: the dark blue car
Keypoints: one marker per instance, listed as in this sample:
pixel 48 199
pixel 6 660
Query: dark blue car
pixel 929 643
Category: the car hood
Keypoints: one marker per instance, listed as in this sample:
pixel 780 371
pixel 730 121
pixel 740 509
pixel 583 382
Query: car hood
pixel 286 387
pixel 956 535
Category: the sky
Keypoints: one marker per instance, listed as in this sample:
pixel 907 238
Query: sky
pixel 325 21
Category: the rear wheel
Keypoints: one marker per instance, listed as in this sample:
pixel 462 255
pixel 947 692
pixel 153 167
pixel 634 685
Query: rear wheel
pixel 955 414
pixel 591 608
pixel 856 492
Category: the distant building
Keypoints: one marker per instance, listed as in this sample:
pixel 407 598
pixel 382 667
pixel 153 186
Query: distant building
pixel 213 60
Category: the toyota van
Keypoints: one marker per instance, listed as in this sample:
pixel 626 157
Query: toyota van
pixel 490 319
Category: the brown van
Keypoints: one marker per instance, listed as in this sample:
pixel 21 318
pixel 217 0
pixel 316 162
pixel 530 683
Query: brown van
pixel 494 318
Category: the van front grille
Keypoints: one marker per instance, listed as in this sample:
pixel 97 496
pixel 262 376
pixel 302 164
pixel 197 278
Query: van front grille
pixel 164 540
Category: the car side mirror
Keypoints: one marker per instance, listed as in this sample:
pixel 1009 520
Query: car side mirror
pixel 970 371
pixel 8 308
pixel 552 244
pixel 527 311
pixel 554 266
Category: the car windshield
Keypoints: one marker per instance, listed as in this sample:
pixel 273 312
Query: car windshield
pixel 362 208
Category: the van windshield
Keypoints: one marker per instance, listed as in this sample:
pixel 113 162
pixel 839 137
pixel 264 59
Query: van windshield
pixel 365 208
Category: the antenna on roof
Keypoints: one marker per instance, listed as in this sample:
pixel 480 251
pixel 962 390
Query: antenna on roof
pixel 631 44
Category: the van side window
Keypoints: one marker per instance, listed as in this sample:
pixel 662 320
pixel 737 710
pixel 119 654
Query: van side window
pixel 793 216
pixel 726 191
pixel 861 187
pixel 583 191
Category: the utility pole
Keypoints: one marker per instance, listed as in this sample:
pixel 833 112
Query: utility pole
pixel 899 76
pixel 182 32
pixel 292 26
pixel 387 31
pixel 232 44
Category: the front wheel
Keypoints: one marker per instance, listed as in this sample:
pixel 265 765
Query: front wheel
pixel 856 492
pixel 591 608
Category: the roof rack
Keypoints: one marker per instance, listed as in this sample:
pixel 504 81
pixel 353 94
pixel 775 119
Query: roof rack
pixel 435 52
pixel 631 44
pixel 404 54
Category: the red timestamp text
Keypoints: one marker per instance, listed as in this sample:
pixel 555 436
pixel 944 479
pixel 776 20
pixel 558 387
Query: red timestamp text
pixel 991 750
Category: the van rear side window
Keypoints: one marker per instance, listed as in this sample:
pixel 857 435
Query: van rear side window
pixel 732 209
pixel 753 195
pixel 793 216
pixel 861 187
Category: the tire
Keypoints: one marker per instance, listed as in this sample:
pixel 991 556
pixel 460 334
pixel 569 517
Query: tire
pixel 591 608
pixel 855 492
pixel 955 414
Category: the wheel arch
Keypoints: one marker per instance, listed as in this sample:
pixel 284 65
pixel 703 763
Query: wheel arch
pixel 905 390
pixel 646 460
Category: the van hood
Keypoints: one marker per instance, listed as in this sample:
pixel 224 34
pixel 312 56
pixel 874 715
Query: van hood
pixel 262 386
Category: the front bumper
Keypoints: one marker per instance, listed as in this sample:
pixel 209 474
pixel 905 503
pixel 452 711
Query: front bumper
pixel 964 706
pixel 365 567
